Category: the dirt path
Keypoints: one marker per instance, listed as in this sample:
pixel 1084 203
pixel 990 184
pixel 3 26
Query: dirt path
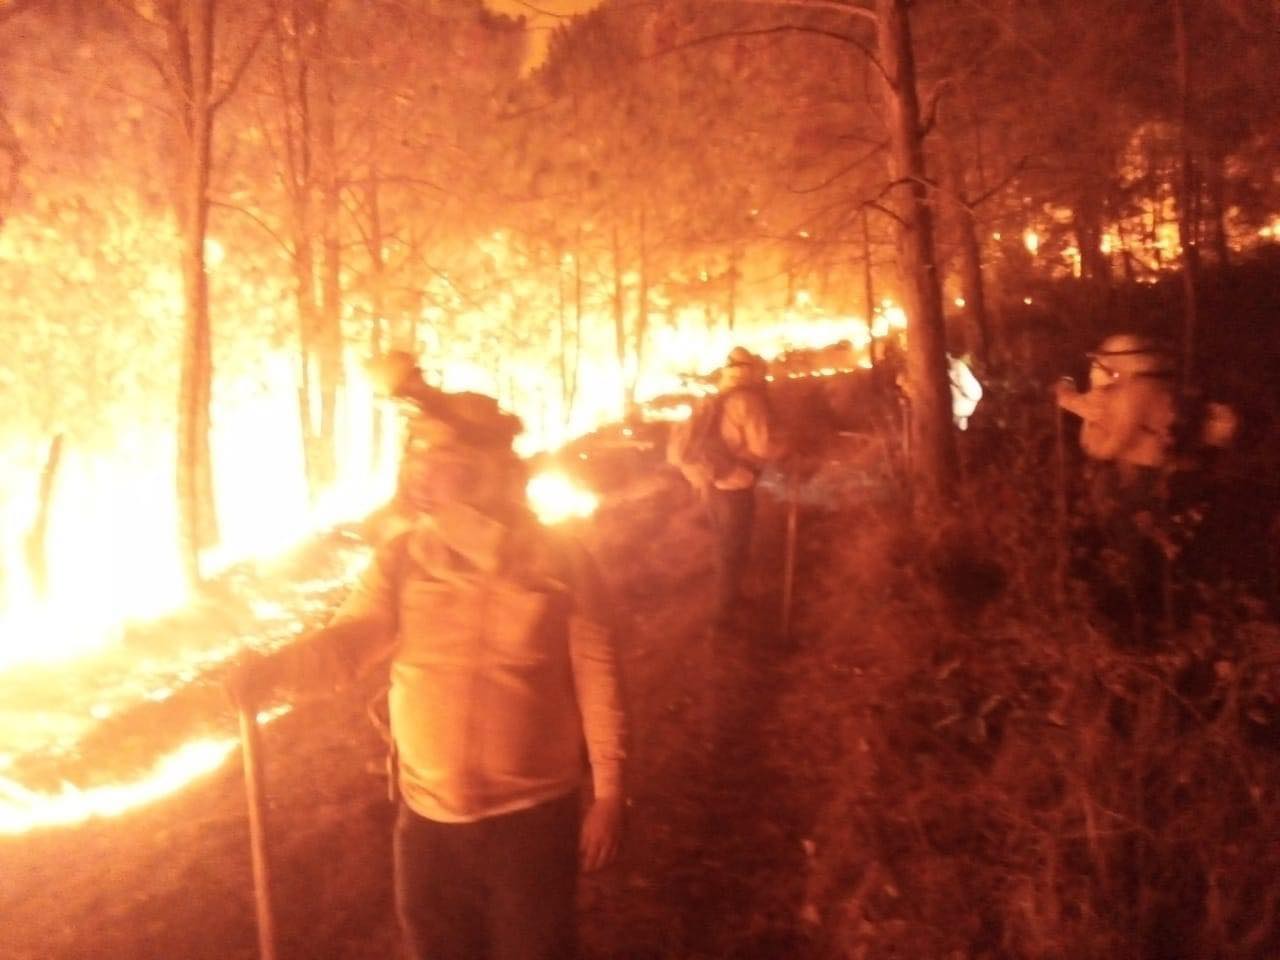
pixel 713 867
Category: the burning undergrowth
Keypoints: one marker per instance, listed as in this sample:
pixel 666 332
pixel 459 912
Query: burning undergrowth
pixel 154 696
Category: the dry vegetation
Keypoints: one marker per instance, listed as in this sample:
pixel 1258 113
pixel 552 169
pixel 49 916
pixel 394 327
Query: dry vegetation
pixel 1000 776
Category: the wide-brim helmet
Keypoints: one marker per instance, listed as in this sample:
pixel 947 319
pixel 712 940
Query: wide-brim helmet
pixel 1130 354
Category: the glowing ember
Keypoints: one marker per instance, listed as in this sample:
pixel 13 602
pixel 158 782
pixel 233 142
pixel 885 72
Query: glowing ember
pixel 555 498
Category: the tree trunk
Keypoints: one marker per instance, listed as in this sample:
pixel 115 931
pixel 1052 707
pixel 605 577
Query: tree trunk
pixel 1187 205
pixel 577 327
pixel 1218 204
pixel 191 51
pixel 377 301
pixel 620 325
pixel 971 282
pixel 1087 217
pixel 934 464
pixel 303 153
pixel 35 544
pixel 329 339
pixel 642 308
pixel 868 287
pixel 735 258
pixel 304 293
pixel 562 338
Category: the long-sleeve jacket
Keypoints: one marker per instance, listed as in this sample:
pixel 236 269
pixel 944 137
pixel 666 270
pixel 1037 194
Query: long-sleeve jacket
pixel 747 430
pixel 1130 421
pixel 504 674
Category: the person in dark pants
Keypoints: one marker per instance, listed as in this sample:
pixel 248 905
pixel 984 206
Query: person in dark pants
pixel 505 706
pixel 732 515
pixel 749 436
pixel 499 887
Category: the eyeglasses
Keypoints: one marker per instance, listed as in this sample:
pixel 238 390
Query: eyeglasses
pixel 1109 372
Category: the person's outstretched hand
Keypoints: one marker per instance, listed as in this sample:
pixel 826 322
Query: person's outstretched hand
pixel 601 833
pixel 1064 387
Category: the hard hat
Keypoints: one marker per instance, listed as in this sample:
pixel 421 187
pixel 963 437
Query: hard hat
pixel 1130 354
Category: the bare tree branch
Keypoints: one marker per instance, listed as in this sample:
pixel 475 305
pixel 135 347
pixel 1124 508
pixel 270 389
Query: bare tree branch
pixel 770 31
pixel 145 52
pixel 266 227
pixel 836 5
pixel 929 115
pixel 238 73
pixel 849 168
pixel 1013 175
pixel 397 179
pixel 876 205
pixel 1012 32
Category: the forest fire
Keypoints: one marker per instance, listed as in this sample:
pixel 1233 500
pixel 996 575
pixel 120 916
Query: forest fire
pixel 22 809
pixel 110 544
pixel 935 680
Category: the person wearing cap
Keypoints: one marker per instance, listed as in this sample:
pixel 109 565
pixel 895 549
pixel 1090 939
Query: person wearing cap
pixel 505 707
pixel 749 435
pixel 1130 409
pixel 1146 442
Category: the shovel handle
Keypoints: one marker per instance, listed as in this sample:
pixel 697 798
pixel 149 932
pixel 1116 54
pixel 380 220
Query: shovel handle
pixel 789 558
pixel 251 748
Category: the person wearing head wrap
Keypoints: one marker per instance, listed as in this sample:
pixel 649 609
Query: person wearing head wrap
pixel 504 701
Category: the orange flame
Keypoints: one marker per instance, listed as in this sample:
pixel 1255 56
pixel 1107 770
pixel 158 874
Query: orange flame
pixel 23 810
pixel 111 544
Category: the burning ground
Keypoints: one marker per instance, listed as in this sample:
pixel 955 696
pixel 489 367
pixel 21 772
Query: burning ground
pixel 947 758
pixel 172 879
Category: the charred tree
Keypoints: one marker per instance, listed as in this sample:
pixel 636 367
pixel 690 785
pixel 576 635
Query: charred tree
pixel 571 388
pixel 35 544
pixel 374 241
pixel 1188 193
pixel 620 325
pixel 642 306
pixel 185 60
pixel 868 283
pixel 190 44
pixel 310 180
pixel 1217 185
pixel 329 333
pixel 934 466
pixel 971 281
